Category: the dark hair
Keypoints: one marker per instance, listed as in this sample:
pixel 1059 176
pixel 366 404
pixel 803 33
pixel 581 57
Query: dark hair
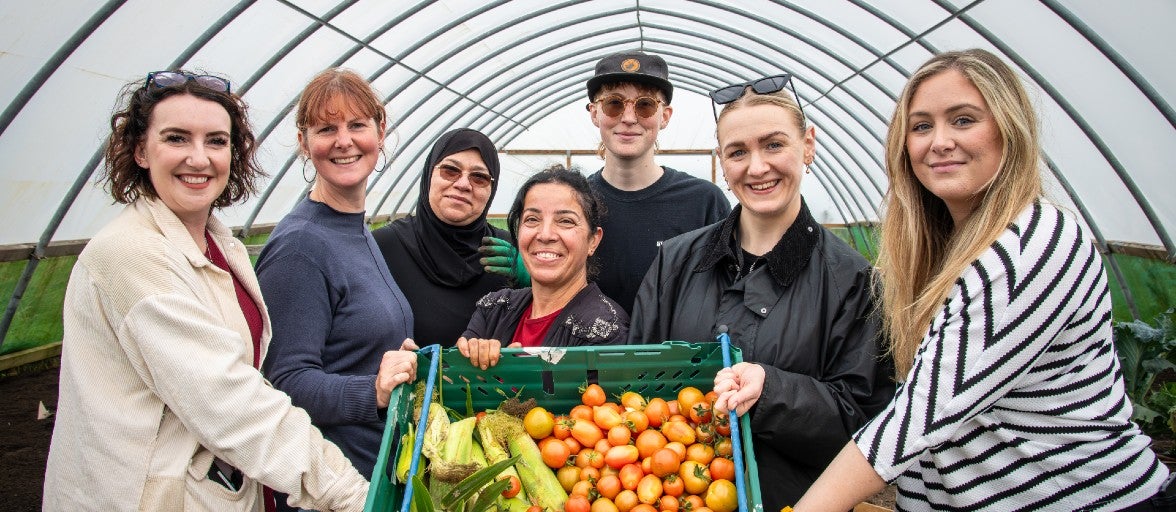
pixel 127 181
pixel 594 210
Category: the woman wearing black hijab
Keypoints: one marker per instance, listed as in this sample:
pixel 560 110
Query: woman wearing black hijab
pixel 433 254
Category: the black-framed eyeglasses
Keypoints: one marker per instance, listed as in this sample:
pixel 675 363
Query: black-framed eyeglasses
pixel 766 85
pixel 614 105
pixel 160 79
pixel 451 174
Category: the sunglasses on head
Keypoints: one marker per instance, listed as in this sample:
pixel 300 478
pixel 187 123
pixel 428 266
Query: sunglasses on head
pixel 767 85
pixel 451 173
pixel 161 79
pixel 614 105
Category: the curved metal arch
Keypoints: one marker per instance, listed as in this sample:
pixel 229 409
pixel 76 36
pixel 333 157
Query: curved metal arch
pixel 408 83
pixel 702 90
pixel 87 170
pixel 295 42
pixel 1081 123
pixel 1100 240
pixel 1109 52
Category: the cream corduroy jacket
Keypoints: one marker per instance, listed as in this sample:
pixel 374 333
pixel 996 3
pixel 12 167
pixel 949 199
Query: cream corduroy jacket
pixel 156 380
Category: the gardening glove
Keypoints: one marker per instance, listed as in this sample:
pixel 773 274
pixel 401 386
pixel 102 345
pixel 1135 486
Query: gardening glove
pixel 500 257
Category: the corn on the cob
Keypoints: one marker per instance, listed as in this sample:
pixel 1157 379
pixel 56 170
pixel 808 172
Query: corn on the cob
pixel 495 453
pixel 538 480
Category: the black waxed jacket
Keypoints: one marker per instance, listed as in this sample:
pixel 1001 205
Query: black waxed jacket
pixel 805 313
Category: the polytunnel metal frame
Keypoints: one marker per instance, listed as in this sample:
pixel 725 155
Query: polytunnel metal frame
pixel 506 117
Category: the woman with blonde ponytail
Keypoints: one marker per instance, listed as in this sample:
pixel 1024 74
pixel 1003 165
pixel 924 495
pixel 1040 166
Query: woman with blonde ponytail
pixel 997 311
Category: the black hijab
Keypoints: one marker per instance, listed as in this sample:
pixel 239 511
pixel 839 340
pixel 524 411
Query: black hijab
pixel 447 254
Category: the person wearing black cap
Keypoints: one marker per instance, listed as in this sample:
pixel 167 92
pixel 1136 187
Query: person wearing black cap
pixel 433 254
pixel 630 96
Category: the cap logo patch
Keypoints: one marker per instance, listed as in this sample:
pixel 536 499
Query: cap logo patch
pixel 630 65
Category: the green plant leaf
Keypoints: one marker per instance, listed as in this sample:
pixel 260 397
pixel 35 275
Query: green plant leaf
pixel 421 501
pixel 474 483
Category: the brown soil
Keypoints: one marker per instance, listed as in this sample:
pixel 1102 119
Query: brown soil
pixel 24 440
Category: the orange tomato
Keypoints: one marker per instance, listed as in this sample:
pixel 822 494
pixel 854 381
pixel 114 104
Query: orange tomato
pixel 606 417
pixel 562 428
pixel 695 477
pixel 704 433
pixel 604 505
pixel 619 435
pixel 637 421
pixel 577 504
pixel 593 395
pixel 722 468
pixel 699 413
pixel 688 397
pixel 722 423
pixel 649 441
pixel 657 410
pixel 626 500
pixel 573 444
pixel 649 489
pixel 673 486
pixel 513 489
pixel 675 431
pixel 608 486
pixel 582 412
pixel 721 496
pixel 643 507
pixel 583 488
pixel 694 501
pixel 602 445
pixel 668 503
pixel 555 454
pixel 630 476
pixel 678 448
pixel 589 457
pixel 590 473
pixel 675 407
pixel 664 462
pixel 586 432
pixel 618 456
pixel 724 447
pixel 633 400
pixel 700 453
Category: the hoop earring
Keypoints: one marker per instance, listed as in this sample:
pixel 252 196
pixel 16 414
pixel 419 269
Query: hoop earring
pixel 313 174
pixel 380 168
pixel 807 170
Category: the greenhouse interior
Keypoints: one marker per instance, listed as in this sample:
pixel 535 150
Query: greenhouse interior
pixel 1097 74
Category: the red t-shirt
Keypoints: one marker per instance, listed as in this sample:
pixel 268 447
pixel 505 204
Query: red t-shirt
pixel 531 331
pixel 248 306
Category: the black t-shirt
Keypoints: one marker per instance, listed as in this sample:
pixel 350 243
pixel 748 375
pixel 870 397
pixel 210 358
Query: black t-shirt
pixel 639 221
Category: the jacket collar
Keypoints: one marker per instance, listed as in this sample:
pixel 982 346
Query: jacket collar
pixel 785 261
pixel 174 230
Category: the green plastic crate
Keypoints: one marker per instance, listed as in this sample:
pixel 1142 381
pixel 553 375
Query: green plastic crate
pixel 553 378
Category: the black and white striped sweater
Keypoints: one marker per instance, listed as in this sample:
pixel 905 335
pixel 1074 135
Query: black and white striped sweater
pixel 1016 400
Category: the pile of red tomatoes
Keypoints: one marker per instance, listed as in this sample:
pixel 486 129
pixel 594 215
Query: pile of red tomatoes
pixel 638 455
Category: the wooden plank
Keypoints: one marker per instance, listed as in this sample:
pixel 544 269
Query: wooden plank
pixel 32 355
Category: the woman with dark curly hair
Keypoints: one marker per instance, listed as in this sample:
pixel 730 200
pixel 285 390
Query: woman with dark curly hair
pixel 162 406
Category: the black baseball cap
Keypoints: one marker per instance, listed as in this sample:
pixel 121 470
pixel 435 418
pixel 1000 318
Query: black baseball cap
pixel 632 66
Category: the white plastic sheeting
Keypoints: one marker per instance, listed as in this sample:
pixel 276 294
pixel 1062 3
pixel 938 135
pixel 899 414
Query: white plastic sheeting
pixel 1102 74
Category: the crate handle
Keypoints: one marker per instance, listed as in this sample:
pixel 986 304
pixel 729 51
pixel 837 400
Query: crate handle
pixel 736 443
pixel 426 401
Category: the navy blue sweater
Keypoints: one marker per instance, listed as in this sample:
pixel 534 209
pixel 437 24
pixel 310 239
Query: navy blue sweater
pixel 335 310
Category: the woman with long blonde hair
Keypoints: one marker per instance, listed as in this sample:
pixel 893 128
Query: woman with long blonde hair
pixel 999 320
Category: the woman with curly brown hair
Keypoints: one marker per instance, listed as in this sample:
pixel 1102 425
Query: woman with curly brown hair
pixel 162 406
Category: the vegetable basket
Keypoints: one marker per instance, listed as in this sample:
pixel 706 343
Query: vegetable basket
pixel 553 376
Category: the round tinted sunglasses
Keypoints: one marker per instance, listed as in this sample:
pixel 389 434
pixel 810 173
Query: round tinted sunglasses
pixel 614 106
pixel 767 85
pixel 451 174
pixel 160 79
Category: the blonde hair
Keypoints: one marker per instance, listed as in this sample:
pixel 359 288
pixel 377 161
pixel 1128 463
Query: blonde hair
pixel 922 252
pixel 750 98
